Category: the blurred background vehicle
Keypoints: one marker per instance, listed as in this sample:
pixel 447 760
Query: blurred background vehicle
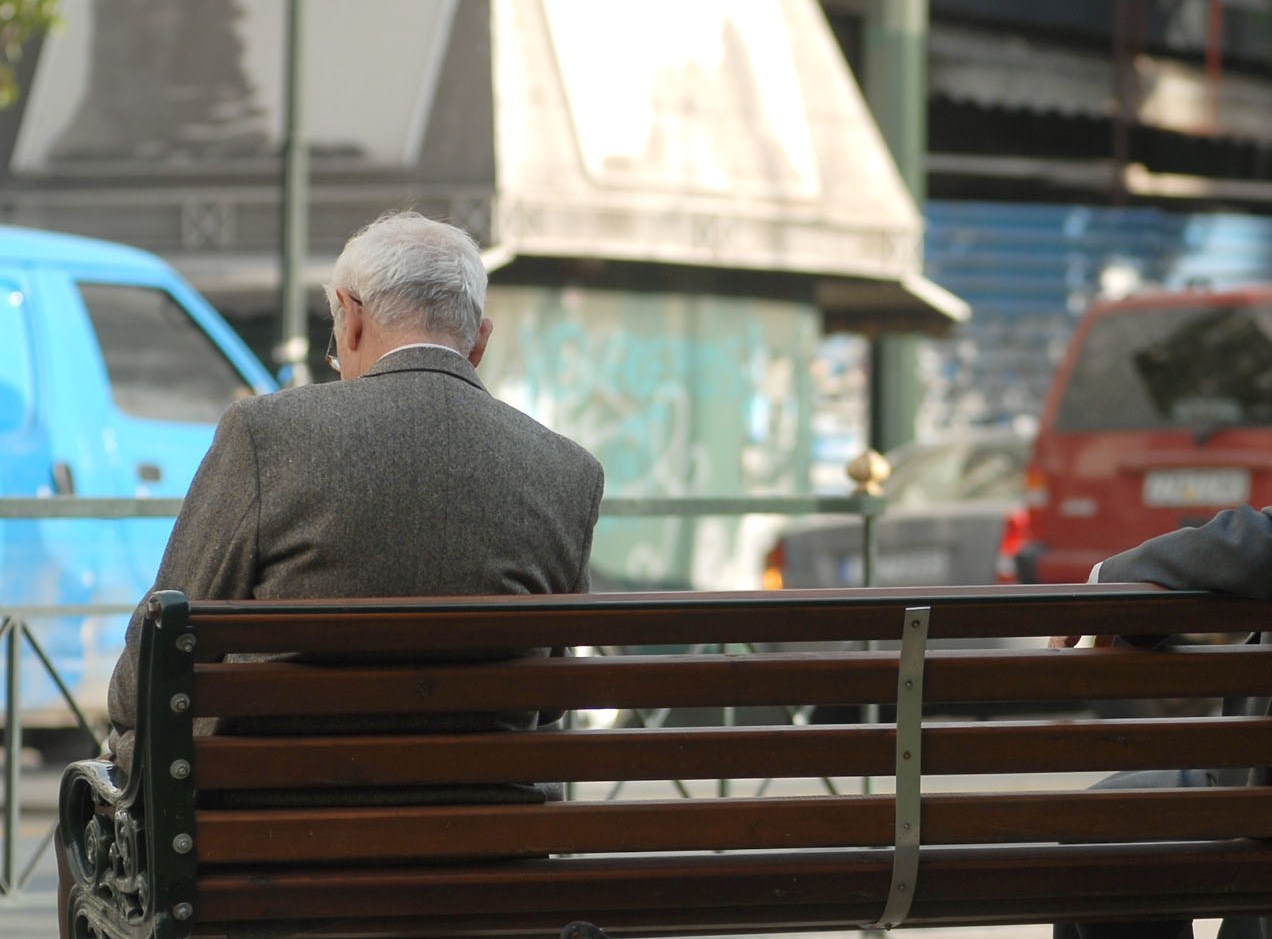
pixel 952 505
pixel 113 375
pixel 1159 416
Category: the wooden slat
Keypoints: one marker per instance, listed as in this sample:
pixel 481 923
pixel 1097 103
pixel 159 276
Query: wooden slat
pixel 262 763
pixel 1062 675
pixel 384 834
pixel 1105 746
pixel 525 888
pixel 838 890
pixel 629 681
pixel 743 616
pixel 280 688
pixel 738 752
pixel 1098 815
pixel 493 830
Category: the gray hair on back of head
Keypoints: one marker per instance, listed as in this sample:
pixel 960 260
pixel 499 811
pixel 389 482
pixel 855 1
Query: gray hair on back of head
pixel 408 268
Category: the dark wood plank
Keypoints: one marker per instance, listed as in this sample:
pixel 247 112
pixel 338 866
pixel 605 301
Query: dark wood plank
pixel 644 896
pixel 687 618
pixel 1097 815
pixel 281 688
pixel 560 828
pixel 1085 674
pixel 737 752
pixel 597 755
pixel 1104 746
pixel 287 835
pixel 710 886
pixel 625 681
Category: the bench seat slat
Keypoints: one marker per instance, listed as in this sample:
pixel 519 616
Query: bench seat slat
pixel 284 688
pixel 226 762
pixel 449 831
pixel 771 890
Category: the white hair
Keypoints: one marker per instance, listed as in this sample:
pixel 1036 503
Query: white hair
pixel 405 268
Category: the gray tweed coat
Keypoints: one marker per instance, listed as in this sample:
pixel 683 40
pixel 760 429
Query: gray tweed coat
pixel 1232 553
pixel 411 480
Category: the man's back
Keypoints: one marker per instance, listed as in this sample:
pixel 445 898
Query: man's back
pixel 408 481
pixel 411 480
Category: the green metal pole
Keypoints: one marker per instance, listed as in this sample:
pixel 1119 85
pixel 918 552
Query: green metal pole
pixel 896 89
pixel 293 350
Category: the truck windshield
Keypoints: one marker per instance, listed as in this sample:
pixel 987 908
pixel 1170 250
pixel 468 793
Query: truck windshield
pixel 1186 368
pixel 162 365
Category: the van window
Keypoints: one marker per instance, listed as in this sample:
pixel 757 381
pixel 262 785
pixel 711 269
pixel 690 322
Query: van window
pixel 1174 367
pixel 162 365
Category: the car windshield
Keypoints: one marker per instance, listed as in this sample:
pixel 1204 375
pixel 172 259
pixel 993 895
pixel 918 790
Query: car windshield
pixel 1189 368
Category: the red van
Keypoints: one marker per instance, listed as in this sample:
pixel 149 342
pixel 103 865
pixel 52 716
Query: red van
pixel 1159 416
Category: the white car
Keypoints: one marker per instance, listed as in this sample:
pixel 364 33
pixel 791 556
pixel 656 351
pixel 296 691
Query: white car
pixel 949 504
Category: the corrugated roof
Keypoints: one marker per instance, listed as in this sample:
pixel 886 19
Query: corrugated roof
pixel 1013 71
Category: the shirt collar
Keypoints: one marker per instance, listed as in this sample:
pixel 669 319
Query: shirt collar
pixel 420 345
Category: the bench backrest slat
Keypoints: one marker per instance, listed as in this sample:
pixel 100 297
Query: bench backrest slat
pixel 733 617
pixel 702 681
pixel 418 833
pixel 776 891
pixel 227 762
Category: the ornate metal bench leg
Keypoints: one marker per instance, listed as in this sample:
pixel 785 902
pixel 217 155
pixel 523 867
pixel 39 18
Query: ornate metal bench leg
pixel 581 929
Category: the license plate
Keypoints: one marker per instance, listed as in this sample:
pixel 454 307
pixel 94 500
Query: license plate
pixel 1210 487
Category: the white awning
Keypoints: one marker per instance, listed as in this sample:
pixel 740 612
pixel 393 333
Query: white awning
pixel 717 133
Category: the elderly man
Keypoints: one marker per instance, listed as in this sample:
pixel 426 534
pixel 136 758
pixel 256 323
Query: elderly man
pixel 405 478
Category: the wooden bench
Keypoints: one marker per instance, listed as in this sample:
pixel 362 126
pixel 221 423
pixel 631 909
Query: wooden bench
pixel 979 829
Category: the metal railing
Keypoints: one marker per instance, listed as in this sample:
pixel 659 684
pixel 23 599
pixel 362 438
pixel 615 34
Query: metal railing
pixel 14 629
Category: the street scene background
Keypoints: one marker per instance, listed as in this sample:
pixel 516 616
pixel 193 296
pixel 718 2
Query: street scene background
pixel 731 244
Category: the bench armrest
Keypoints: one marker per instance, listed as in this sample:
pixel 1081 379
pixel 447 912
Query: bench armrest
pixel 105 852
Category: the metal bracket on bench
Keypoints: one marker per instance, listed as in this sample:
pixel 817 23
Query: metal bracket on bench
pixel 905 859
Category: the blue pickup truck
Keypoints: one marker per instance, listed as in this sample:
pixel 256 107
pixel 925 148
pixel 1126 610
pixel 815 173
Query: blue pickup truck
pixel 113 373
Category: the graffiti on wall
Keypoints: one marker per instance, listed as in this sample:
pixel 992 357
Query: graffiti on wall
pixel 676 396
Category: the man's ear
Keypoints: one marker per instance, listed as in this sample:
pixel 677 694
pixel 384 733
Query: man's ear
pixel 483 337
pixel 355 320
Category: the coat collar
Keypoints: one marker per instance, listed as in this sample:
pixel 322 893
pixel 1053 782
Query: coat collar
pixel 424 359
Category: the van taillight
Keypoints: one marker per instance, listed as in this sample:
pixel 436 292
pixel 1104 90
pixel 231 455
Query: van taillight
pixel 774 562
pixel 1036 494
pixel 1016 534
pixel 1037 498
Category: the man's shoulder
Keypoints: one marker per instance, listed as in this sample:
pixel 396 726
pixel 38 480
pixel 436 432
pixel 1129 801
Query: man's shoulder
pixel 524 435
pixel 285 400
pixel 545 435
